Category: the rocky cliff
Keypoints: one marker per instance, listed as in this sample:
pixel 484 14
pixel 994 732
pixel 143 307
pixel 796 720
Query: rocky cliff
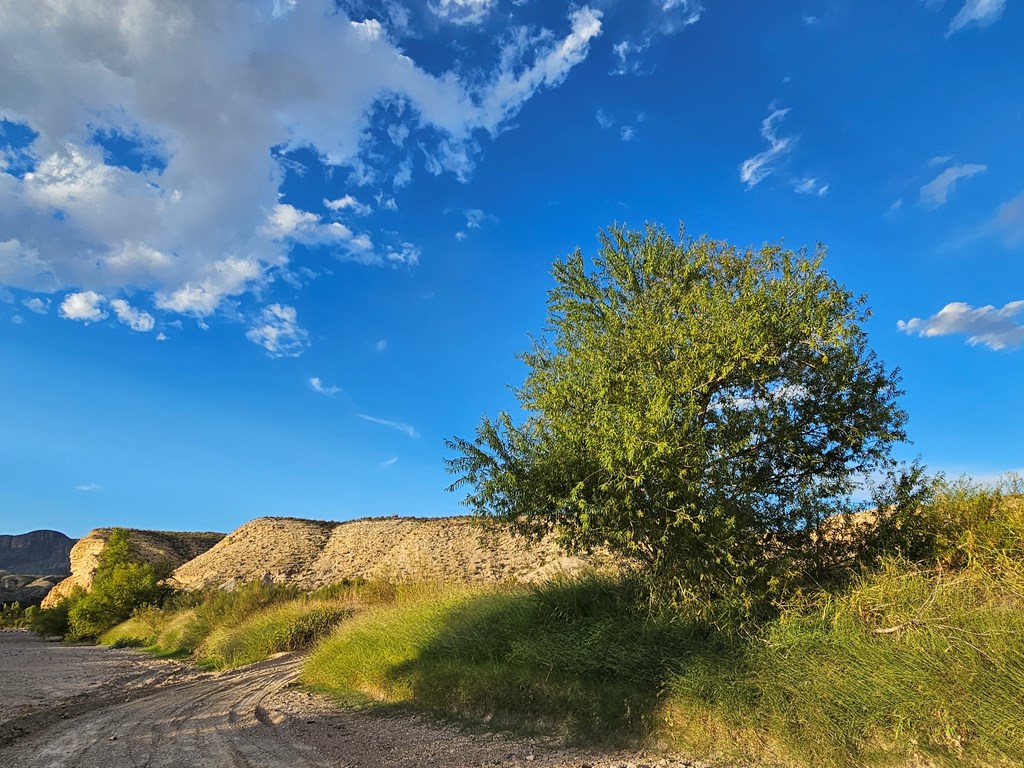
pixel 170 547
pixel 311 554
pixel 37 553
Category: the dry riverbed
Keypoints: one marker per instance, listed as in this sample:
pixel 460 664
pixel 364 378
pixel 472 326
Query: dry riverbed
pixel 93 707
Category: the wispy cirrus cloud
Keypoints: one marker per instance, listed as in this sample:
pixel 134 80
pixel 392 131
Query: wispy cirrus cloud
pixel 89 487
pixel 976 13
pixel 936 192
pixel 399 425
pixel 1008 222
pixel 995 328
pixel 756 169
pixel 656 19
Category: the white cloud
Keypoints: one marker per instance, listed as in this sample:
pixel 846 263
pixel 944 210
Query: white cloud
pixel 389 462
pixel 400 426
pixel 475 218
pixel 37 305
pixel 84 306
pixel 462 11
pixel 460 236
pixel 17 319
pixel 348 202
pixel 936 192
pixel 317 385
pixel 286 222
pixel 135 319
pixel 277 331
pixel 995 328
pixel 507 93
pixel 756 169
pixel 627 133
pixel 603 119
pixel 660 18
pixel 810 186
pixel 161 336
pixel 628 61
pixel 381 345
pixel 209 89
pixel 1009 221
pixel 977 13
pixel 939 160
pixel 89 487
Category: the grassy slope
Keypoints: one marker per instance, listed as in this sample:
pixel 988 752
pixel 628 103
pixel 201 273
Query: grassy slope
pixel 909 663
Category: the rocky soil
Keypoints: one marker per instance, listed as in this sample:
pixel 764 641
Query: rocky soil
pixel 311 554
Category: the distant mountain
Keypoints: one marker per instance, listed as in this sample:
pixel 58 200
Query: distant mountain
pixel 39 553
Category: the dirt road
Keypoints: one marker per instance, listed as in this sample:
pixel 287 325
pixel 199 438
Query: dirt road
pixel 133 712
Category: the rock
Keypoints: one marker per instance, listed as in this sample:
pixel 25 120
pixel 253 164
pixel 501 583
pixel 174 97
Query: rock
pixel 38 552
pixel 173 547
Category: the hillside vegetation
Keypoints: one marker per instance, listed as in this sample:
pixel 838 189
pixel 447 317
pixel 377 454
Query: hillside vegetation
pixel 917 659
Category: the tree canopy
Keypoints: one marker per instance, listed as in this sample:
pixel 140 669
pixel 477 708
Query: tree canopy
pixel 698 408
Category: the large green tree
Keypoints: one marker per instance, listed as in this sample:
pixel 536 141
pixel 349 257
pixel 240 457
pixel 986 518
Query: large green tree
pixel 698 408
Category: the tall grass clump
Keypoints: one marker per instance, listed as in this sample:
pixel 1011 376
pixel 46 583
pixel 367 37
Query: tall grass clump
pixel 917 658
pixel 580 657
pixel 292 626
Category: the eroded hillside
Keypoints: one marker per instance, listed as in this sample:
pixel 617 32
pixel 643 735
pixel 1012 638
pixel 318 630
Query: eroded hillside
pixel 311 554
pixel 171 547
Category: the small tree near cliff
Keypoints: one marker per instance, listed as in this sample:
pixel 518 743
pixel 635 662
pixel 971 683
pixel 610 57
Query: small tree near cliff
pixel 697 408
pixel 123 582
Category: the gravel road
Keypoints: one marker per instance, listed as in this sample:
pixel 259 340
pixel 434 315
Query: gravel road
pixel 87 707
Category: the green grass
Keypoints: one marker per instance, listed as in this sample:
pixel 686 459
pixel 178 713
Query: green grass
pixel 908 662
pixel 221 630
pixel 292 626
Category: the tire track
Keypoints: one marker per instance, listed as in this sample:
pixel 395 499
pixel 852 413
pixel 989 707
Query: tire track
pixel 217 721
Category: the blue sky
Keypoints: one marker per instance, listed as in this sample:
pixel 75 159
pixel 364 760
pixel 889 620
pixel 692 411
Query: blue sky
pixel 262 258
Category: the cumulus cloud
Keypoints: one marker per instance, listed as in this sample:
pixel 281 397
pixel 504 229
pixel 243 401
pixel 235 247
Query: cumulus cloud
pixel 381 345
pixel 317 385
pixel 84 306
pixel 400 426
pixel 135 319
pixel 995 328
pixel 976 13
pixel 603 119
pixel 278 332
pixel 756 169
pixel 217 96
pixel 348 203
pixel 936 192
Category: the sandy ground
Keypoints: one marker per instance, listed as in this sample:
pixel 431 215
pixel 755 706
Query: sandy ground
pixel 89 707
